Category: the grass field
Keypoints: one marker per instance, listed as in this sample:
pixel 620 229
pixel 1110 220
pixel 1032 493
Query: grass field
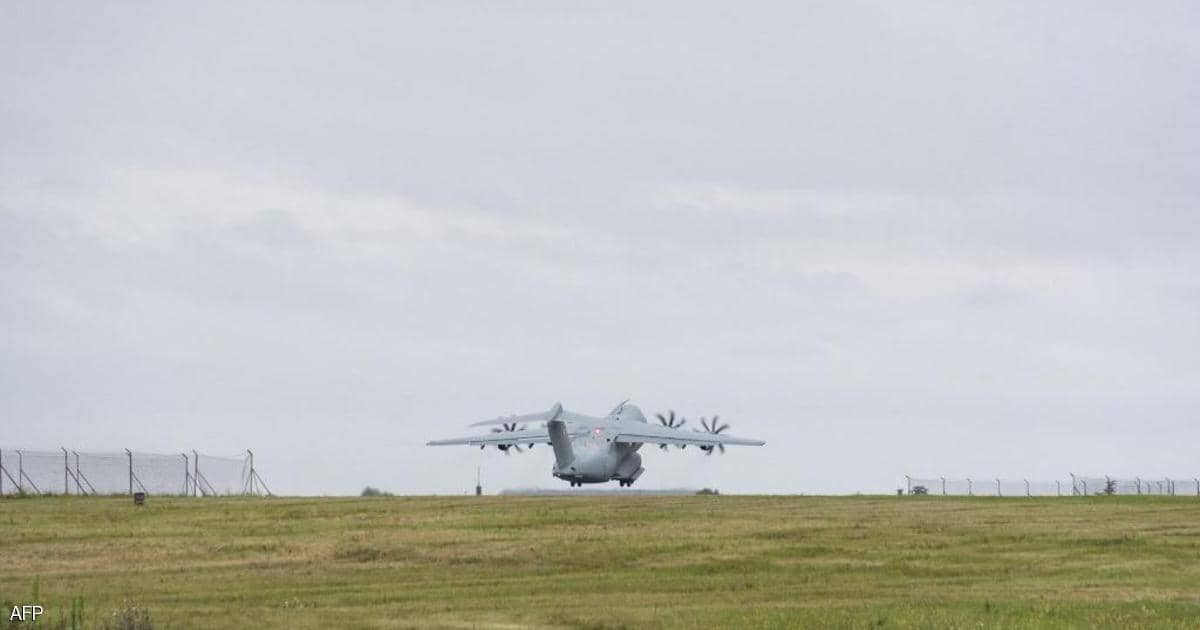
pixel 638 562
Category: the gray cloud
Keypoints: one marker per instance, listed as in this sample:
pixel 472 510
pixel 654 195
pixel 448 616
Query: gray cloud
pixel 885 239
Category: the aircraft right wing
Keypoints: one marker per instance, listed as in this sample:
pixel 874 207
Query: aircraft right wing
pixel 645 433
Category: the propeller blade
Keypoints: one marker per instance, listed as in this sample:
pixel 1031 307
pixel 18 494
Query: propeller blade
pixel 661 418
pixel 508 427
pixel 722 447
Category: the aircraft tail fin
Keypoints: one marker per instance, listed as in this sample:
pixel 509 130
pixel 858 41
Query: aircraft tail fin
pixel 617 410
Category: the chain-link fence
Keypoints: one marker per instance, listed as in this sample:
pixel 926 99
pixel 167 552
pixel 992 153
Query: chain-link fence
pixel 128 472
pixel 1074 485
pixel 1165 486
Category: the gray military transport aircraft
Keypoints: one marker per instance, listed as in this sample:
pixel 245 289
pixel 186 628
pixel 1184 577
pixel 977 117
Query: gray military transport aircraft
pixel 598 450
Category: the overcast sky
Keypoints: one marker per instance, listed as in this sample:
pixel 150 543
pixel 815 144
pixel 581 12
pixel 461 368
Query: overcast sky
pixel 893 238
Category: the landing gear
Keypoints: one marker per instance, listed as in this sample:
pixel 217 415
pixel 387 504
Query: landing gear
pixel 625 483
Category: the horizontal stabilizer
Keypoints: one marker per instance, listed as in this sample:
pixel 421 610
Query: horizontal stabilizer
pixel 530 418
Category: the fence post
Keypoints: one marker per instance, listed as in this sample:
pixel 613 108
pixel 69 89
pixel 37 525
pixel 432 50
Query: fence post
pixel 1138 481
pixel 195 473
pixel 998 492
pixel 2 473
pixel 907 484
pixel 186 474
pixel 1057 488
pixel 1027 488
pixel 20 472
pixel 970 490
pixel 78 481
pixel 66 472
pixel 944 487
pixel 129 455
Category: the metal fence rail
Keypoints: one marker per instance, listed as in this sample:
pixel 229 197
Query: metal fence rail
pixel 24 471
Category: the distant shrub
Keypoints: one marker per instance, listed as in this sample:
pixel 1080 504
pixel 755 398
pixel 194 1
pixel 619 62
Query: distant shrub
pixel 709 491
pixel 920 490
pixel 375 492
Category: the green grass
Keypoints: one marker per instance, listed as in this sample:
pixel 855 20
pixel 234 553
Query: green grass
pixel 637 562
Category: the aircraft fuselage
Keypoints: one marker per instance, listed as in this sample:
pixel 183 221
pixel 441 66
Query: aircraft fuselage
pixel 592 456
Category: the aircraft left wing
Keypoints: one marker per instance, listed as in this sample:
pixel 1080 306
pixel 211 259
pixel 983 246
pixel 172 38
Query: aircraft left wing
pixel 647 433
pixel 500 438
